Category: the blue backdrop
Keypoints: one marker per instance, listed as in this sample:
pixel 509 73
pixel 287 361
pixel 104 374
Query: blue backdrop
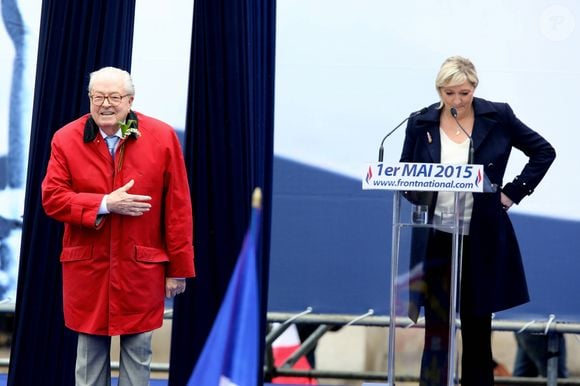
pixel 331 248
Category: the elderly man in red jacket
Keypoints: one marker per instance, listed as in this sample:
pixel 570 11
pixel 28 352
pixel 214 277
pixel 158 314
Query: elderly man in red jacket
pixel 117 180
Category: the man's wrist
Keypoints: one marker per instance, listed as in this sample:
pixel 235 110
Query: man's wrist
pixel 103 207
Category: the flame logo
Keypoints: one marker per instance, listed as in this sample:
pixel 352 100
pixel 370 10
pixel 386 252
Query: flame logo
pixel 369 175
pixel 479 178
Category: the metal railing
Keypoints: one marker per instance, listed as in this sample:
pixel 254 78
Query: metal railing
pixel 325 322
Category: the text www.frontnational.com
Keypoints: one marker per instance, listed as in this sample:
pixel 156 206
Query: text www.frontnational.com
pixel 433 184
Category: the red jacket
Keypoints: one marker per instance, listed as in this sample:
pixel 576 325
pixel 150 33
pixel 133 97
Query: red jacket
pixel 114 273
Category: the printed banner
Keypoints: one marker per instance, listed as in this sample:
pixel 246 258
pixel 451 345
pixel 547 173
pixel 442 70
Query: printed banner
pixel 424 177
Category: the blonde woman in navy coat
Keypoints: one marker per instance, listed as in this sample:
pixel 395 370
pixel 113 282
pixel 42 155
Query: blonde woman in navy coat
pixel 492 276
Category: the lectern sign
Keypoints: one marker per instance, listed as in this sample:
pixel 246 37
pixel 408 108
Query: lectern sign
pixel 424 177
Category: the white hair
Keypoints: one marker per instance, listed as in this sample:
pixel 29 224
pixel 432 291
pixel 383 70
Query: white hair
pixel 113 72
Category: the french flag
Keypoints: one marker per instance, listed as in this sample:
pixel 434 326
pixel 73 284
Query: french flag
pixel 282 348
pixel 230 356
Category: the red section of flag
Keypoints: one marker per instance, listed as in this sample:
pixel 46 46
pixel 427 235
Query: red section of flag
pixel 282 348
pixel 280 355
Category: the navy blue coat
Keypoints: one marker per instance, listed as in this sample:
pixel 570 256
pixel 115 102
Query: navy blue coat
pixel 494 278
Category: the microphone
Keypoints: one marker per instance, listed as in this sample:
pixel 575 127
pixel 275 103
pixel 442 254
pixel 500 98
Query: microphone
pixel 413 114
pixel 453 111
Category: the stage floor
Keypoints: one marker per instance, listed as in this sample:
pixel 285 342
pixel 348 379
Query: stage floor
pixel 153 382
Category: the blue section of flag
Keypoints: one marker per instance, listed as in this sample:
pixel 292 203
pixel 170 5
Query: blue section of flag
pixel 230 355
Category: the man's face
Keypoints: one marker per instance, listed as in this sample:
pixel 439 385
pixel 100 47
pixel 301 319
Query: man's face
pixel 110 103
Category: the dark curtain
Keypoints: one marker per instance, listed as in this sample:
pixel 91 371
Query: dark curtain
pixel 76 38
pixel 229 151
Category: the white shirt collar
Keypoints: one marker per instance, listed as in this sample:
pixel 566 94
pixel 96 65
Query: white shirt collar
pixel 117 134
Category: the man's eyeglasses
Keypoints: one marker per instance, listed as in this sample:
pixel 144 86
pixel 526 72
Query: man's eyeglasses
pixel 114 99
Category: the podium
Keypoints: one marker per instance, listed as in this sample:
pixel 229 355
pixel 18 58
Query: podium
pixel 413 185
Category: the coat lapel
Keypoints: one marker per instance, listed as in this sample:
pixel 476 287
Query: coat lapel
pixel 91 132
pixel 431 136
pixel 484 121
pixel 429 132
pixel 434 147
pixel 91 128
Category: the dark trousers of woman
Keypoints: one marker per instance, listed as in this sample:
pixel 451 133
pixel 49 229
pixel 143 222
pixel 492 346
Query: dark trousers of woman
pixel 476 361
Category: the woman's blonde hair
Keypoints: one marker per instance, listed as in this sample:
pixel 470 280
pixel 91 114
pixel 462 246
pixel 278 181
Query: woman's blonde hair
pixel 454 71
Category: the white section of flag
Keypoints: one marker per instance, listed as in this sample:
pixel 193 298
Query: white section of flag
pixel 288 338
pixel 225 381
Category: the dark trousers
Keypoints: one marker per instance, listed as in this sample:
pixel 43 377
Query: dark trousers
pixel 476 361
pixel 533 354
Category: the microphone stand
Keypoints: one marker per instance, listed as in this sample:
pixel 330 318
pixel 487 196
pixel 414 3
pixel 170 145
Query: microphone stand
pixel 382 149
pixel 456 262
pixel 453 111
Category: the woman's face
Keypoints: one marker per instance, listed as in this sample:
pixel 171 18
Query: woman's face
pixel 459 96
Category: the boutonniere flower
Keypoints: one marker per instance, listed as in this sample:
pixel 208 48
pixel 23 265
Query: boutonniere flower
pixel 128 128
